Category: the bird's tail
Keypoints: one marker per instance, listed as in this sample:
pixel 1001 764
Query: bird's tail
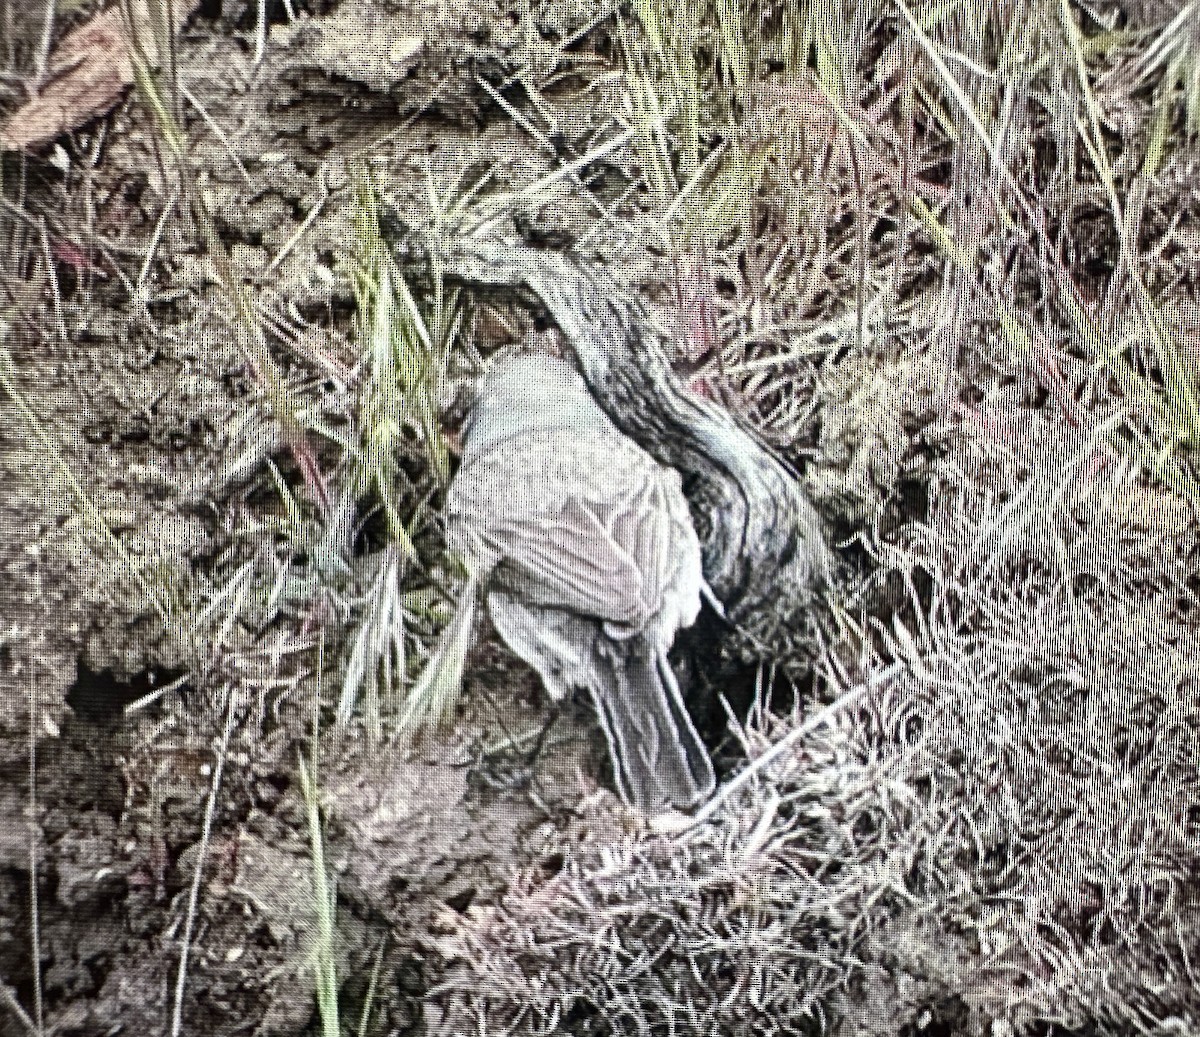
pixel 657 755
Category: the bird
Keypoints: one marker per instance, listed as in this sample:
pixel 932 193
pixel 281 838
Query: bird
pixel 583 547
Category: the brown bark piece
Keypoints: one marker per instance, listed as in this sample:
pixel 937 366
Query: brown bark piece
pixel 89 71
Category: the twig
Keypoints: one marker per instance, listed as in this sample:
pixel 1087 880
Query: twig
pixel 205 837
pixel 9 999
pixel 35 927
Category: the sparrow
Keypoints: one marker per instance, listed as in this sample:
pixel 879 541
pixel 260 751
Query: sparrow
pixel 583 547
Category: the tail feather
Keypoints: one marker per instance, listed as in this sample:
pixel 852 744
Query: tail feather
pixel 658 758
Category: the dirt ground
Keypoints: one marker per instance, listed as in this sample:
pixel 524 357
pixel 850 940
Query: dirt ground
pixel 152 801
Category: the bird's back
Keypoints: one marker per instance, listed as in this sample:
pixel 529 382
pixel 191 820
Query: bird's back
pixel 571 509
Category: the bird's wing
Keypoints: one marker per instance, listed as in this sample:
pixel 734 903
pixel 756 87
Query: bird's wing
pixel 579 525
pixel 652 524
pixel 570 561
pixel 554 642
